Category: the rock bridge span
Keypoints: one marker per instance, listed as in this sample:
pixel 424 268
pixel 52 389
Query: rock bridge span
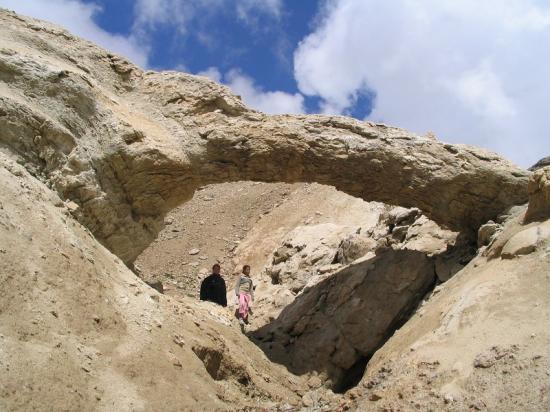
pixel 125 145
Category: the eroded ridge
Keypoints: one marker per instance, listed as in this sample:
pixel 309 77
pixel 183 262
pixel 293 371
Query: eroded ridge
pixel 127 145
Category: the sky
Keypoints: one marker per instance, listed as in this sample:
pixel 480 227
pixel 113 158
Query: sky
pixel 471 71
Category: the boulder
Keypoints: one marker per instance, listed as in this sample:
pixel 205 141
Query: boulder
pixel 526 241
pixel 353 247
pixel 157 285
pixel 545 161
pixel 401 216
pixel 487 232
pixel 304 251
pixel 539 195
pixel 318 330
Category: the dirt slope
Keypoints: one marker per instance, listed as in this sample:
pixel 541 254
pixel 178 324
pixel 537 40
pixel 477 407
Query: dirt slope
pixel 79 331
pixel 481 343
pixel 241 223
pixel 214 222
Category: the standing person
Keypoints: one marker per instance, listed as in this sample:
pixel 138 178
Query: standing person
pixel 244 289
pixel 213 287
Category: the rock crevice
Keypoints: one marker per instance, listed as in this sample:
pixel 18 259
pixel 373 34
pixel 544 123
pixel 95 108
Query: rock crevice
pixel 340 322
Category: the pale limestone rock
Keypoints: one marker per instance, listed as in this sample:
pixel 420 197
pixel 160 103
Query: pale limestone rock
pixel 128 145
pixel 427 236
pixel 401 216
pixel 375 293
pixel 526 241
pixel 305 250
pixel 487 232
pixel 545 161
pixel 539 195
pixel 353 247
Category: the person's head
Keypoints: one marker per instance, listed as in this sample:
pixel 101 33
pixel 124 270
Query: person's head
pixel 246 270
pixel 216 269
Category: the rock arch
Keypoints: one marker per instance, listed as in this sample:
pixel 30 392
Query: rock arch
pixel 127 145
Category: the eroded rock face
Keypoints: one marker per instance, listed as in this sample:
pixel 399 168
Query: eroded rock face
pixel 310 251
pixel 127 145
pixel 79 331
pixel 313 333
pixel 545 161
pixel 526 241
pixel 306 252
pixel 480 341
pixel 319 330
pixel 539 195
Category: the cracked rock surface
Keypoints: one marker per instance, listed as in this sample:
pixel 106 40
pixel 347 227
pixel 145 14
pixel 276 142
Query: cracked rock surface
pixel 128 145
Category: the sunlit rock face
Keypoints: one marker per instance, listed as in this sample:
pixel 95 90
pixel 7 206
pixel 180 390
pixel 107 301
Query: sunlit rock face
pixel 94 148
pixel 128 145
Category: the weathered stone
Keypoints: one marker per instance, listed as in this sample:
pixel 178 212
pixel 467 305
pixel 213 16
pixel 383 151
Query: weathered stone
pixel 283 253
pixel 353 247
pixel 128 167
pixel 401 216
pixel 539 195
pixel 157 285
pixel 545 161
pixel 399 233
pixel 386 286
pixel 486 233
pixel 526 241
pixel 314 382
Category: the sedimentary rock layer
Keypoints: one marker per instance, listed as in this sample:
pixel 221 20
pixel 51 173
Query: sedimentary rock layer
pixel 127 145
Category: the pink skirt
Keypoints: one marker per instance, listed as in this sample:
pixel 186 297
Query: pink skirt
pixel 244 305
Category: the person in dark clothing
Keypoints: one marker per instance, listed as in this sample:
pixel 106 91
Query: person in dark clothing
pixel 213 287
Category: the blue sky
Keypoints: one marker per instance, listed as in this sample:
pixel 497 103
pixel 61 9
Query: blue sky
pixel 469 71
pixel 221 39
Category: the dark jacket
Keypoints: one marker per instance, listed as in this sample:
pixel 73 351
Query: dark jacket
pixel 213 289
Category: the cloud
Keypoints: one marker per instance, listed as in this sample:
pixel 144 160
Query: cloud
pixel 272 102
pixel 213 73
pixel 248 8
pixel 197 18
pixel 150 14
pixel 77 17
pixel 472 71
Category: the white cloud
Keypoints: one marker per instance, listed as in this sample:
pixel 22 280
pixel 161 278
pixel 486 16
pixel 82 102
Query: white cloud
pixel 273 102
pixel 77 17
pixel 471 71
pixel 247 8
pixel 212 73
pixel 190 17
pixel 151 14
pixel 482 90
pixel 179 13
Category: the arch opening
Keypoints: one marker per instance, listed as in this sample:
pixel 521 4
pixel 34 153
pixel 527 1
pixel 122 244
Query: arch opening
pixel 310 238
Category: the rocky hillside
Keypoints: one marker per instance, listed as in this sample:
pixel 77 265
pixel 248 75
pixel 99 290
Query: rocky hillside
pixel 95 152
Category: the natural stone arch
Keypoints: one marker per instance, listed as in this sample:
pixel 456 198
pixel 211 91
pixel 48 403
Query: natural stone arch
pixel 127 146
pixel 452 185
